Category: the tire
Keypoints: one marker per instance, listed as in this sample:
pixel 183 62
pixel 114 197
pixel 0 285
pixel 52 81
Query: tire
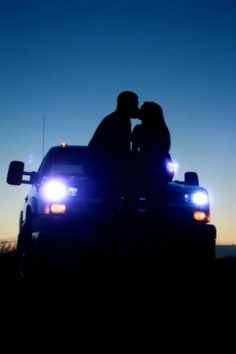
pixel 24 253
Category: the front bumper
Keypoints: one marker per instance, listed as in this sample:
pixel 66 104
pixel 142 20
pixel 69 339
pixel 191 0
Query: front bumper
pixel 134 236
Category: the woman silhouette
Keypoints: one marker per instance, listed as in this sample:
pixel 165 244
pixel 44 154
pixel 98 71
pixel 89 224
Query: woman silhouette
pixel 152 139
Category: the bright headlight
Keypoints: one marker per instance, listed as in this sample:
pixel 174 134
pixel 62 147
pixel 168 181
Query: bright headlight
pixel 200 198
pixel 54 191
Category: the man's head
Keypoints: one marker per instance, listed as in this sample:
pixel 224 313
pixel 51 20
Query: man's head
pixel 127 104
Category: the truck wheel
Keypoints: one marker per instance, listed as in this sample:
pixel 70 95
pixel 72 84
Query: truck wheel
pixel 24 254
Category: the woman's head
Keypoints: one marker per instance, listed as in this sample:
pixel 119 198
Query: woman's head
pixel 151 112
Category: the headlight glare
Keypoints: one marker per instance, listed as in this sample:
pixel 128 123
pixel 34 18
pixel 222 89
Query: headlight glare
pixel 200 198
pixel 54 191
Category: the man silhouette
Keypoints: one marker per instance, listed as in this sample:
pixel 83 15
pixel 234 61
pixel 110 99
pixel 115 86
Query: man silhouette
pixel 110 146
pixel 113 135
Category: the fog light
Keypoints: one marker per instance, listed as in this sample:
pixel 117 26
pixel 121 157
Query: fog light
pixel 58 208
pixel 201 216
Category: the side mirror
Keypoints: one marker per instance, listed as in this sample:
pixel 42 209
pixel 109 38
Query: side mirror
pixel 191 178
pixel 15 173
pixel 33 177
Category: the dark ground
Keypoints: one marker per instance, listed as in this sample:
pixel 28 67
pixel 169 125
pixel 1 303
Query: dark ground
pixel 176 307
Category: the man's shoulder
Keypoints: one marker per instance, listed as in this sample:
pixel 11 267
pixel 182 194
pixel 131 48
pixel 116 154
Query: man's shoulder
pixel 109 118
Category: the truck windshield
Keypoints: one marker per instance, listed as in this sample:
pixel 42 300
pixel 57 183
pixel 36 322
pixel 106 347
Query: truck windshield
pixel 68 161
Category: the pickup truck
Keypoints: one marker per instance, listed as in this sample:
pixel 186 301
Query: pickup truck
pixel 69 213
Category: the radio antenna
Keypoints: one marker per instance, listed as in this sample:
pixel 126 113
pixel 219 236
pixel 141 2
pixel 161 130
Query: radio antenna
pixel 43 136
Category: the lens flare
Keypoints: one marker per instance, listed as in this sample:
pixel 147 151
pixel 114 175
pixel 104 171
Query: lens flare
pixel 172 167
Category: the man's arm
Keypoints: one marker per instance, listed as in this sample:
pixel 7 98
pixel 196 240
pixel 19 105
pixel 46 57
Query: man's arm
pixel 135 138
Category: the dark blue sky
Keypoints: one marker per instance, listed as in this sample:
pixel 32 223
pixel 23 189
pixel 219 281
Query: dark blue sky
pixel 68 60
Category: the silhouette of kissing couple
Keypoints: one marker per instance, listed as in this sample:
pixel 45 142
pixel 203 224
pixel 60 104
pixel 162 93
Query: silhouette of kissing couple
pixel 132 162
